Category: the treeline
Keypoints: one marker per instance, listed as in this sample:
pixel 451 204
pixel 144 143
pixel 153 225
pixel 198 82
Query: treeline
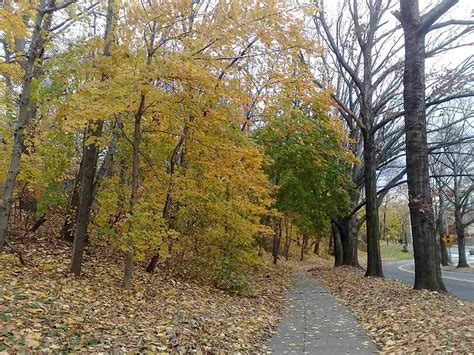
pixel 186 131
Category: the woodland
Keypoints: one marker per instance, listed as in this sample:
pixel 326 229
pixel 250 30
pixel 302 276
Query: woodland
pixel 187 154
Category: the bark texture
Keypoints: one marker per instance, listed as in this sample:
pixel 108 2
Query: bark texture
pixel 415 27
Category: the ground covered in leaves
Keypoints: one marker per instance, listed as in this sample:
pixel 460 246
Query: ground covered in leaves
pixel 44 307
pixel 400 319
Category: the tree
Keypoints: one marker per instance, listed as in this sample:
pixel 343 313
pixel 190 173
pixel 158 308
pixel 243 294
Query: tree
pixel 308 162
pixel 365 50
pixel 452 167
pixel 31 66
pixel 89 163
pixel 415 28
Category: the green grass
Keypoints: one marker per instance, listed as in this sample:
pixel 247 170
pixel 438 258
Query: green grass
pixel 394 252
pixel 390 252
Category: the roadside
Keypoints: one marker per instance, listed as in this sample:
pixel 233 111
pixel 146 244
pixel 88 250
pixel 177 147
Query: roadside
pixel 400 319
pixel 389 253
pixel 459 284
pixel 463 270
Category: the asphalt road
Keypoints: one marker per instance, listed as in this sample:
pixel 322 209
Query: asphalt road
pixel 457 283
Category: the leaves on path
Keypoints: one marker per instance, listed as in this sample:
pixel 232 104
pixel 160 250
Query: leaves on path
pixel 42 307
pixel 401 319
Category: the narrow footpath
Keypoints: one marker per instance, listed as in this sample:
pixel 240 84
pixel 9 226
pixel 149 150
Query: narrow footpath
pixel 316 323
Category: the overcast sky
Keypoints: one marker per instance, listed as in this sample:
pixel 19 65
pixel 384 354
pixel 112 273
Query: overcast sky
pixel 464 9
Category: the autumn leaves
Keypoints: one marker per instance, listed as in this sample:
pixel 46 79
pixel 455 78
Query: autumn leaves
pixel 150 130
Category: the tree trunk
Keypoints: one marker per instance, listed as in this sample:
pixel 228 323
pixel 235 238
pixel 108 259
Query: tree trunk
pixel 442 231
pixel 154 261
pixel 69 226
pixel 316 246
pixel 288 235
pixel 374 261
pixel 427 268
pixel 462 262
pixel 276 241
pixel 174 161
pixel 27 110
pixel 303 247
pixel 87 183
pixel 338 251
pixel 128 271
pixel 331 248
pixel 349 239
pixel 137 137
pixel 90 157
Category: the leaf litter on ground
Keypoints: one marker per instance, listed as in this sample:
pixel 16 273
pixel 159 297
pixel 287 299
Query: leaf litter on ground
pixel 44 308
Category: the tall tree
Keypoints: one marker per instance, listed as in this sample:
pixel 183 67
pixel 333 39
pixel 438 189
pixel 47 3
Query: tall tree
pixel 415 28
pixel 27 109
pixel 89 163
pixel 452 167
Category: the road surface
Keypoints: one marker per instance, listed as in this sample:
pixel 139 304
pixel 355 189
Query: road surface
pixel 457 283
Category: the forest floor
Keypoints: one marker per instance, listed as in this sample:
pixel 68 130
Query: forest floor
pixel 43 307
pixel 400 319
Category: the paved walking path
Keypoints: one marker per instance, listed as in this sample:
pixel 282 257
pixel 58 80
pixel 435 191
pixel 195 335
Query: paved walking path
pixel 316 323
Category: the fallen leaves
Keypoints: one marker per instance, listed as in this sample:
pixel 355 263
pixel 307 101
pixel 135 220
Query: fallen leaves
pixel 400 319
pixel 42 307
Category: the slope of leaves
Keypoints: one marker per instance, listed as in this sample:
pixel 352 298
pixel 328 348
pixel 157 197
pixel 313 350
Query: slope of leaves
pixel 43 307
pixel 401 319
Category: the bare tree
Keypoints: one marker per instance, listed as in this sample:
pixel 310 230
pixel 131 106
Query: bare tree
pixel 453 166
pixel 415 28
pixel 366 57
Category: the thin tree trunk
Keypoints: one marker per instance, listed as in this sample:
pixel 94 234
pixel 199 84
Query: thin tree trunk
pixel 90 157
pixel 288 235
pixel 427 266
pixel 316 246
pixel 462 262
pixel 137 136
pixel 69 225
pixel 27 110
pixel 174 161
pixel 441 230
pixel 276 241
pixel 303 247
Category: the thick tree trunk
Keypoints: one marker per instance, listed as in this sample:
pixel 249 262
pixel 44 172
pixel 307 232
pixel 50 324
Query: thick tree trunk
pixel 90 157
pixel 27 111
pixel 427 268
pixel 462 262
pixel 338 251
pixel 83 211
pixel 348 235
pixel 374 261
pixel 331 241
